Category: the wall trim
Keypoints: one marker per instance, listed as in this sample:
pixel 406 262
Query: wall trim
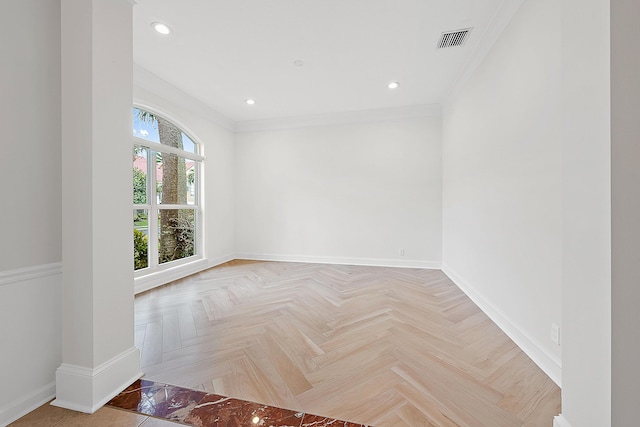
pixel 346 117
pixel 372 262
pixel 28 273
pixel 549 363
pixel 159 278
pixel 88 389
pixel 27 403
pixel 560 421
pixel 217 261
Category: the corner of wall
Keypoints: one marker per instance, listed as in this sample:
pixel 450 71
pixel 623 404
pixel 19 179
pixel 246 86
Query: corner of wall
pixel 550 364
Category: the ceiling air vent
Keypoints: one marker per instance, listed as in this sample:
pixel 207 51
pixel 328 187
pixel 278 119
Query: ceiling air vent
pixel 453 38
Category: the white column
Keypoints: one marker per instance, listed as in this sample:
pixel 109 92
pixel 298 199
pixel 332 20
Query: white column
pixel 99 357
pixel 625 211
pixel 586 288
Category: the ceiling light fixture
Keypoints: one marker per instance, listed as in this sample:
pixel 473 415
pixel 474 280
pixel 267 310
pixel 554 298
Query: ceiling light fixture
pixel 393 85
pixel 161 28
pixel 250 101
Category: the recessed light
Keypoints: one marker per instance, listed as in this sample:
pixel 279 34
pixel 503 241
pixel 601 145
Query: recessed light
pixel 161 28
pixel 393 85
pixel 250 101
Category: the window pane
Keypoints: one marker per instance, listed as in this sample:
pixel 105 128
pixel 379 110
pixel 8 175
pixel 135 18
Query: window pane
pixel 145 125
pixel 176 239
pixel 176 180
pixel 191 181
pixel 188 144
pixel 140 239
pixel 140 176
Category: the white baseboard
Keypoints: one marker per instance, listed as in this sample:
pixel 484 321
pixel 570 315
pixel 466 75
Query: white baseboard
pixel 86 390
pixel 217 261
pixel 372 262
pixel 560 421
pixel 27 383
pixel 25 404
pixel 549 363
pixel 159 278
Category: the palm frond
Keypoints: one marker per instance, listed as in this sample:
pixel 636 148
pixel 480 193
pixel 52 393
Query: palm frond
pixel 146 116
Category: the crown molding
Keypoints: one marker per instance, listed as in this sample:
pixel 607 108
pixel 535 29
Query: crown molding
pixel 147 80
pixel 497 25
pixel 346 117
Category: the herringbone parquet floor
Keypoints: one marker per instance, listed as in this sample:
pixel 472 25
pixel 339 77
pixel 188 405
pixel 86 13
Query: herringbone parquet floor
pixel 374 345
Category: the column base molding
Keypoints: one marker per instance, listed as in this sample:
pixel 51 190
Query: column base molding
pixel 560 421
pixel 86 390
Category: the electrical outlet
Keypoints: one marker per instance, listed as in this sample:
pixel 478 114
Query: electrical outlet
pixel 401 252
pixel 555 333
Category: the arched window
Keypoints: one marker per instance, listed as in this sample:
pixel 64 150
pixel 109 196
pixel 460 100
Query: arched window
pixel 166 193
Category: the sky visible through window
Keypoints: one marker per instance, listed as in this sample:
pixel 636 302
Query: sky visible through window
pixel 149 131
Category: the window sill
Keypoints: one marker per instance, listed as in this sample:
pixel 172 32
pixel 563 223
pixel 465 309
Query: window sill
pixel 157 278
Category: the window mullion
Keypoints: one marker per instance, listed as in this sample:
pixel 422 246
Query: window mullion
pixel 167 149
pixel 153 211
pixel 199 209
pixel 167 206
pixel 153 236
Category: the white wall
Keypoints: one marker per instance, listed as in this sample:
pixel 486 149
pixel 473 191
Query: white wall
pixel 30 148
pixel 586 140
pixel 30 338
pixel 345 193
pixel 625 210
pixel 30 155
pixel 215 133
pixel 502 225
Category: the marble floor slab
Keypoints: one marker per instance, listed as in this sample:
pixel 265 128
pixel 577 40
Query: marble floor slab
pixel 201 409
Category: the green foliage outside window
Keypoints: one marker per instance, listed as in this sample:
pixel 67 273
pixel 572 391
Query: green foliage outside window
pixel 139 187
pixel 140 250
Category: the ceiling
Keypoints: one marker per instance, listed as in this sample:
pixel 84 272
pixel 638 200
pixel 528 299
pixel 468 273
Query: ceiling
pixel 223 52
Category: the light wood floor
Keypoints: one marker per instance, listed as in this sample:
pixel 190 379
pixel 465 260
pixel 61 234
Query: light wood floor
pixel 52 416
pixel 381 346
